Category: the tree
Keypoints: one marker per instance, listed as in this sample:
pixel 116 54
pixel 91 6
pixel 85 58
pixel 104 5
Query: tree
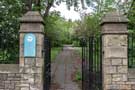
pixel 58 29
pixel 87 27
pixel 10 11
pixel 131 17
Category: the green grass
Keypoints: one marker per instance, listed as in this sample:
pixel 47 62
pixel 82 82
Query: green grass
pixel 54 52
pixel 79 51
pixel 78 76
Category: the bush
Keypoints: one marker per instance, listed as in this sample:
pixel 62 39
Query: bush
pixel 76 44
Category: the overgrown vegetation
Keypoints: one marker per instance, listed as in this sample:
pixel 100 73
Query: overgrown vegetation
pixel 58 29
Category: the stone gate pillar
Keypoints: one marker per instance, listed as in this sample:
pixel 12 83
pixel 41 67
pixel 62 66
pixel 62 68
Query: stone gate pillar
pixel 31 46
pixel 114 39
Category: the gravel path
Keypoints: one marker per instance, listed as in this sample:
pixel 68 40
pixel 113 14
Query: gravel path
pixel 63 69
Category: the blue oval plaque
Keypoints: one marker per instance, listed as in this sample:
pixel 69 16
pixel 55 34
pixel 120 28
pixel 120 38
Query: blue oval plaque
pixel 29 45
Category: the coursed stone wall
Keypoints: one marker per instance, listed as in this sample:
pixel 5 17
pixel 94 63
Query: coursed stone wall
pixel 12 79
pixel 115 56
pixel 9 77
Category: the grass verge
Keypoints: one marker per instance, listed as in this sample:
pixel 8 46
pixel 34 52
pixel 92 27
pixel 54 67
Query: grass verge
pixel 78 76
pixel 54 52
pixel 79 51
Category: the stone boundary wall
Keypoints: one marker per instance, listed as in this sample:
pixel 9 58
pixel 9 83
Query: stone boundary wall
pixel 9 77
pixel 10 81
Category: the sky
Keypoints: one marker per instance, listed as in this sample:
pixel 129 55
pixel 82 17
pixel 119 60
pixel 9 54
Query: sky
pixel 69 14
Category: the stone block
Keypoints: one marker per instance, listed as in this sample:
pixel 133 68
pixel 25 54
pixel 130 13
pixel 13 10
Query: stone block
pixel 115 40
pixel 115 52
pixel 33 87
pixel 38 70
pixel 122 69
pixel 21 69
pixel 112 87
pixel 125 87
pixel 30 62
pixel 38 78
pixel 17 88
pixel 7 82
pixel 125 77
pixel 18 74
pixel 31 27
pixel 39 50
pixel 116 77
pixel 116 61
pixel 29 78
pixel 30 70
pixel 119 82
pixel 108 79
pixel 3 77
pixel 9 86
pixel 21 62
pixel 110 69
pixel 21 39
pixel 125 61
pixel 39 62
pixel 119 77
pixel 25 88
pixel 107 62
pixel 133 87
pixel 40 39
pixel 2 84
pixel 21 52
pixel 114 28
pixel 131 83
pixel 33 70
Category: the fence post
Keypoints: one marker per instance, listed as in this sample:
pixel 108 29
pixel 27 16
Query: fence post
pixel 31 60
pixel 114 51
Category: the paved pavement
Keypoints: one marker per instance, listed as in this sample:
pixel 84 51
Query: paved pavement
pixel 63 69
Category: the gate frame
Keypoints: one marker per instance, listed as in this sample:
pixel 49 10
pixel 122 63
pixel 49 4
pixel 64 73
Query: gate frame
pixel 91 51
pixel 47 64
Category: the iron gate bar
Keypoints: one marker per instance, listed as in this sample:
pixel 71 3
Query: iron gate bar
pixel 132 47
pixel 101 63
pixel 91 60
pixel 131 50
pixel 47 62
pixel 92 64
pixel 87 66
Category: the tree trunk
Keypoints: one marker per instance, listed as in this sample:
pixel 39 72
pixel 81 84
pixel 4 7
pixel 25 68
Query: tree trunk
pixel 49 5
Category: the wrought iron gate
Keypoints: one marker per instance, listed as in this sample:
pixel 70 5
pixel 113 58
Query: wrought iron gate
pixel 131 50
pixel 91 63
pixel 47 66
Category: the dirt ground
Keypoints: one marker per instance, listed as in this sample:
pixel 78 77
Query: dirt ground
pixel 64 68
